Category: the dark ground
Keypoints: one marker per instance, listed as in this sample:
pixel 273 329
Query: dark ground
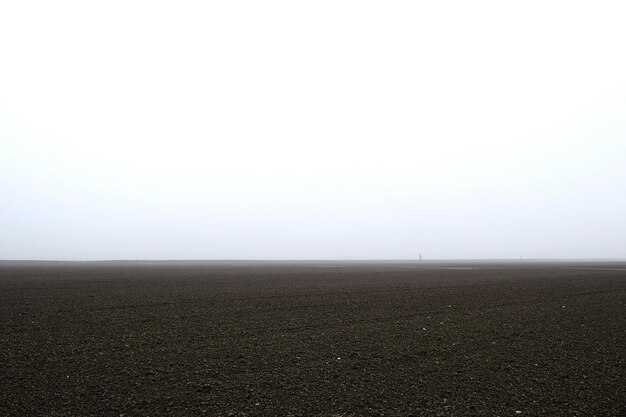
pixel 326 339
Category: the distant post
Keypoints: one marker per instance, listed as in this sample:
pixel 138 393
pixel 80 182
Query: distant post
pixel 420 256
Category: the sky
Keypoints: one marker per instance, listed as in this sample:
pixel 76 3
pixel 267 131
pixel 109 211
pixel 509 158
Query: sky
pixel 312 129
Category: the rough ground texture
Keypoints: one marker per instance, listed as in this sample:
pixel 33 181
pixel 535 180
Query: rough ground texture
pixel 325 339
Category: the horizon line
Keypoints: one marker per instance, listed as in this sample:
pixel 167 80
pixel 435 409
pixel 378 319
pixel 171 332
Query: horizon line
pixel 312 260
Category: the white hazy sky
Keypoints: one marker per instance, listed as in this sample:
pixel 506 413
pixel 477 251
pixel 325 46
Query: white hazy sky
pixel 312 129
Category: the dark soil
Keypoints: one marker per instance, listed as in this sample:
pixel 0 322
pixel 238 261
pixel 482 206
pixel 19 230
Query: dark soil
pixel 326 339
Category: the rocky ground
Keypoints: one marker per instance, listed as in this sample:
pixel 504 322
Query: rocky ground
pixel 316 339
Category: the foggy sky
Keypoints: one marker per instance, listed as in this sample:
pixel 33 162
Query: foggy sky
pixel 312 130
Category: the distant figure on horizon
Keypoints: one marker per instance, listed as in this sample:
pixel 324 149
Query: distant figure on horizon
pixel 420 256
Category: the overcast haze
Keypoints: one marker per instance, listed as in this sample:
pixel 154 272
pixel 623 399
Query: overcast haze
pixel 312 130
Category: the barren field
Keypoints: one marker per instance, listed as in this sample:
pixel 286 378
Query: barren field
pixel 312 339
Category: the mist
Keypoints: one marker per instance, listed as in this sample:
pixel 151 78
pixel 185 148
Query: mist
pixel 322 130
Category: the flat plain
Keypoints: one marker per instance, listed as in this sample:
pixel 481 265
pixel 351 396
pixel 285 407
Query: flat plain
pixel 313 339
